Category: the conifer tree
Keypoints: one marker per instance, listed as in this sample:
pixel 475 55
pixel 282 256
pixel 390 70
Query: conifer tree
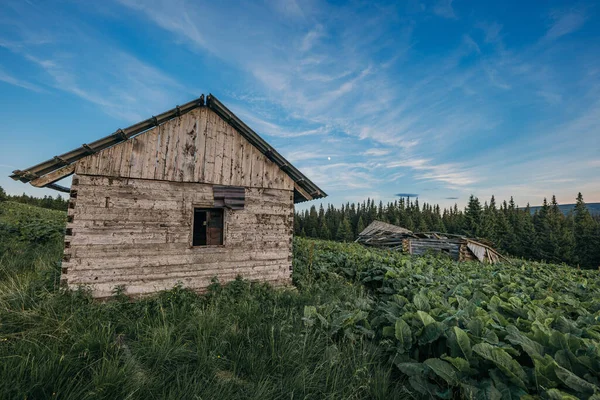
pixel 473 215
pixel 360 226
pixel 344 233
pixel 584 233
pixel 324 230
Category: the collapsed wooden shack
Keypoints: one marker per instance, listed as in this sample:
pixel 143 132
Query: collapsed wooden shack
pixel 460 248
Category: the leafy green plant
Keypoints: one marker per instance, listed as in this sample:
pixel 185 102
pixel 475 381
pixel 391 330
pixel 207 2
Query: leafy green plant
pixel 477 330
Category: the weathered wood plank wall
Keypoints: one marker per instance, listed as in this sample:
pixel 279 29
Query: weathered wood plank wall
pixel 197 147
pixel 137 233
pixel 424 246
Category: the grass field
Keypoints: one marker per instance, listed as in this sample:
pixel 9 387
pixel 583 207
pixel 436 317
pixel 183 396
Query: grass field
pixel 360 324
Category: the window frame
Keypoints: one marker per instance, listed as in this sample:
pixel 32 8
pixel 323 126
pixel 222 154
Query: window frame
pixel 207 208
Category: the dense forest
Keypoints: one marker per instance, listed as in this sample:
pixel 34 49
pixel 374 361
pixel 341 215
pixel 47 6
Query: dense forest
pixel 56 203
pixel 546 235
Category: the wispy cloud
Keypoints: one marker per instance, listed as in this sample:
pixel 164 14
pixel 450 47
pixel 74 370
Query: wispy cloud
pixel 311 38
pixel 564 23
pixel 377 152
pixel 118 82
pixel 452 174
pixel 11 80
pixel 443 8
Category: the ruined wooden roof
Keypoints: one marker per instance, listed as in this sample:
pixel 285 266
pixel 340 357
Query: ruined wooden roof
pixel 46 173
pixel 379 227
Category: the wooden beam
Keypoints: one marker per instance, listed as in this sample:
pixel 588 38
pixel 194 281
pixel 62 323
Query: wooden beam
pixel 54 176
pixel 302 191
pixel 58 187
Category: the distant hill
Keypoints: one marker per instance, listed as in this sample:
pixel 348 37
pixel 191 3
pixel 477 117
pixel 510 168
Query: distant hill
pixel 594 208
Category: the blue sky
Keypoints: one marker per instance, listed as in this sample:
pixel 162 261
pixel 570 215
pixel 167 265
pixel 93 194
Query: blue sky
pixel 438 98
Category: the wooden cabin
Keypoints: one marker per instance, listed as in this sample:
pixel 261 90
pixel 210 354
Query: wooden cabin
pixel 183 197
pixel 456 247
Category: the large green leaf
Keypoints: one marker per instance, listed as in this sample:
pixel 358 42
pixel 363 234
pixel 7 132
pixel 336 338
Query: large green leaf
pixel 421 385
pixel 403 334
pixel 555 394
pixel 531 347
pixel 425 318
pixel 503 361
pixel 388 331
pixel 443 369
pixel 411 368
pixel 463 341
pixel 460 364
pixel 508 391
pixel 431 333
pixel 488 391
pixel 475 327
pixel 421 302
pixel 573 381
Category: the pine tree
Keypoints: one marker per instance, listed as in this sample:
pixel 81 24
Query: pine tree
pixel 312 224
pixel 360 226
pixel 344 232
pixel 584 230
pixel 324 230
pixel 297 227
pixel 541 221
pixel 473 215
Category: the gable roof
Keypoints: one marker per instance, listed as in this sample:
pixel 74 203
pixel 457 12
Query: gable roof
pixel 46 173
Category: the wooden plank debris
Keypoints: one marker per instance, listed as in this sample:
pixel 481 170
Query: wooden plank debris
pixel 457 247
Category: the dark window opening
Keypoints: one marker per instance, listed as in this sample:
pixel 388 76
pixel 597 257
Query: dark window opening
pixel 208 227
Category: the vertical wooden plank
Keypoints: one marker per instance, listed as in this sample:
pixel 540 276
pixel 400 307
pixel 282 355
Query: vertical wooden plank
pixel 247 162
pixel 145 152
pixel 201 115
pixel 209 152
pixel 161 162
pixel 220 142
pixel 81 166
pixel 258 168
pixel 137 154
pixel 269 173
pixel 126 159
pixel 115 160
pixel 172 167
pixel 227 148
pixel 150 140
pixel 93 164
pixel 189 131
pixel 237 158
pixel 160 137
pixel 107 161
pixel 280 179
pixel 288 182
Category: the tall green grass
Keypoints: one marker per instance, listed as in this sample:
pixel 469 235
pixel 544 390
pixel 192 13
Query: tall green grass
pixel 239 341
